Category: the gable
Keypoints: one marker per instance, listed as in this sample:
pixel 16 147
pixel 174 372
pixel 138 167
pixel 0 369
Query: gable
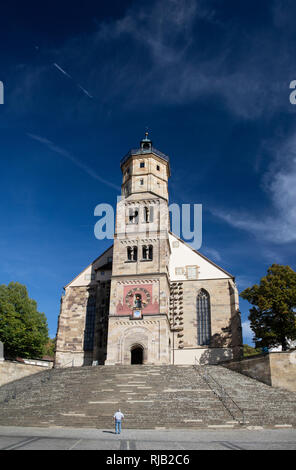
pixel 92 272
pixel 184 260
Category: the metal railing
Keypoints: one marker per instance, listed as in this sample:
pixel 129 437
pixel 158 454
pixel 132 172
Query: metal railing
pixel 236 412
pixel 63 366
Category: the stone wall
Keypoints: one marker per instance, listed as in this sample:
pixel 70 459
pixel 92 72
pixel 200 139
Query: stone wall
pixel 283 370
pixel 152 334
pixel 201 356
pixel 10 371
pixel 274 369
pixel 223 333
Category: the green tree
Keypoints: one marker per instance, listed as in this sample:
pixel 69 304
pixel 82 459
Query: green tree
pixel 50 347
pixel 273 317
pixel 250 351
pixel 23 329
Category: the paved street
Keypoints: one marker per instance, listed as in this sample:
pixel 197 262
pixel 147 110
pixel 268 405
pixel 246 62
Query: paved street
pixel 18 438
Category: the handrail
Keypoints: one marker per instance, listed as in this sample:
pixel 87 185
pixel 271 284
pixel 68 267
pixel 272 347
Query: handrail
pixel 67 363
pixel 222 393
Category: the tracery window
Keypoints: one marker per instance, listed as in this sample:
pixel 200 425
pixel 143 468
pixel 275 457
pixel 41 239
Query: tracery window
pixel 203 318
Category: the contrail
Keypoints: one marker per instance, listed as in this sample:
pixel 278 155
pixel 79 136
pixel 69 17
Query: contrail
pixel 85 91
pixel 71 78
pixel 54 148
pixel 61 70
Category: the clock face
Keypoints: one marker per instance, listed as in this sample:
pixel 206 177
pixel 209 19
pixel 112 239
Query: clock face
pixel 137 297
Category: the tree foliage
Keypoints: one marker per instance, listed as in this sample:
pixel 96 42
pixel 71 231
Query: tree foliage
pixel 23 329
pixel 250 351
pixel 273 317
pixel 50 347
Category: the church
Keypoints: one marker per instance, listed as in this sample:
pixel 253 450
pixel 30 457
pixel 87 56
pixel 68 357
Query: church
pixel 150 298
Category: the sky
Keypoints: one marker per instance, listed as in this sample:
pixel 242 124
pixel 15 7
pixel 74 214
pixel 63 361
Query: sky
pixel 209 78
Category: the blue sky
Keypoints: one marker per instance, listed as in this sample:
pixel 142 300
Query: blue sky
pixel 211 81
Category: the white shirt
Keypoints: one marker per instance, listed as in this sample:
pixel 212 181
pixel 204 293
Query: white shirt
pixel 118 416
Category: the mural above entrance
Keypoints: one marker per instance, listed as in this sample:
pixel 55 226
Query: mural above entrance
pixel 138 297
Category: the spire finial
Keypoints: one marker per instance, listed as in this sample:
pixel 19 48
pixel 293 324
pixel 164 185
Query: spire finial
pixel 146 143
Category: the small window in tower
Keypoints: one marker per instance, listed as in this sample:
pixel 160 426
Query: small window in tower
pixel 133 216
pixel 146 214
pixel 129 253
pixel 144 252
pixel 135 253
pixel 141 182
pixel 132 253
pixel 158 167
pixel 142 164
pixel 150 252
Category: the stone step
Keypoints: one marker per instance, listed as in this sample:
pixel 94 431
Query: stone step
pixel 164 396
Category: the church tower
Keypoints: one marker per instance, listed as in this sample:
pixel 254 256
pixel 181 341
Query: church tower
pixel 150 298
pixel 139 328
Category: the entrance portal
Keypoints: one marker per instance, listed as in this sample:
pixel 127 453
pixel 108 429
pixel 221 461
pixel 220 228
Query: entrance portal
pixel 137 355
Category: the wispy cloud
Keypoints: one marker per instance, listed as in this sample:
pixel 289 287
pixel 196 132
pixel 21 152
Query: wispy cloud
pixel 166 35
pixel 156 54
pixel 247 333
pixel 279 183
pixel 76 161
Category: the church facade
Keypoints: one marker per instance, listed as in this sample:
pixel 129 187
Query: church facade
pixel 150 298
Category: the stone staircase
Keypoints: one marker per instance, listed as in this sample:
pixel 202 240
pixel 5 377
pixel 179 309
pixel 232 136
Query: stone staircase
pixel 149 396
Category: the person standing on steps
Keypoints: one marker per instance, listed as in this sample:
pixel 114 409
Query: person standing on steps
pixel 118 417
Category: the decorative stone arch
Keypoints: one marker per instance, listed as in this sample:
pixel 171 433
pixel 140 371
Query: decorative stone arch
pixel 137 335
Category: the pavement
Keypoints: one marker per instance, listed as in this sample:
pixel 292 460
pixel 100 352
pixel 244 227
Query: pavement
pixel 58 438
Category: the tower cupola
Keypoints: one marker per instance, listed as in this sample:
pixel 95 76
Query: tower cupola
pixel 146 144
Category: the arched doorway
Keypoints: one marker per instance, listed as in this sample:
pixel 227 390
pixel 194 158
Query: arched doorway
pixel 137 355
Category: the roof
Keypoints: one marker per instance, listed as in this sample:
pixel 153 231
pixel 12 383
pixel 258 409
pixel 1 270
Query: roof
pixel 140 151
pixel 90 265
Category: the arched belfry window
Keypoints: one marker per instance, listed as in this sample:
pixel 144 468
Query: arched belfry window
pixel 147 252
pixel 203 318
pixel 132 253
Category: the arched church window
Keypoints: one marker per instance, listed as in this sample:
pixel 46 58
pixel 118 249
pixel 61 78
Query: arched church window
pixel 147 252
pixel 129 253
pixel 133 216
pixel 88 343
pixel 203 318
pixel 144 252
pixel 135 253
pixel 150 252
pixel 148 214
pixel 132 253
